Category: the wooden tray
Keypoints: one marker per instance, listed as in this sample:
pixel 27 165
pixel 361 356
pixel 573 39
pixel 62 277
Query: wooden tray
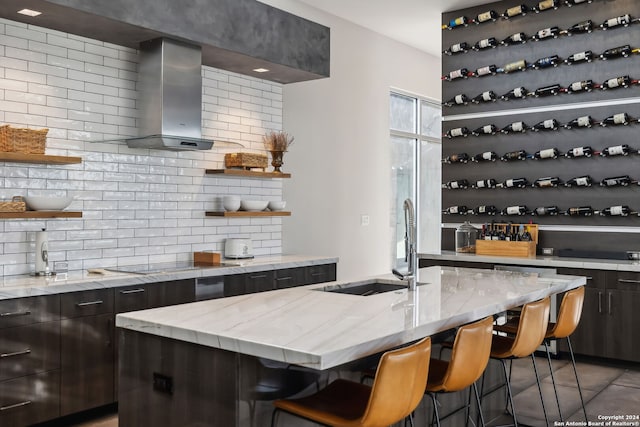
pixel 508 248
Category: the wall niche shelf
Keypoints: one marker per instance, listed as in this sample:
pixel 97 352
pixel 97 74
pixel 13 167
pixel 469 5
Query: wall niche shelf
pixel 40 214
pixel 38 158
pixel 246 174
pixel 246 214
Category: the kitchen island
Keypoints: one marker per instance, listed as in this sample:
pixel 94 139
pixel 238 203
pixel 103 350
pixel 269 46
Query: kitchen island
pixel 195 364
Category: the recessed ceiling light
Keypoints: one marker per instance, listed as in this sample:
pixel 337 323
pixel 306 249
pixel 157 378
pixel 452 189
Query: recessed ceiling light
pixel 260 70
pixel 29 12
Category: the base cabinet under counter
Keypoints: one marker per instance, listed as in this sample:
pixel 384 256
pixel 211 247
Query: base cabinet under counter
pixel 30 399
pixel 261 281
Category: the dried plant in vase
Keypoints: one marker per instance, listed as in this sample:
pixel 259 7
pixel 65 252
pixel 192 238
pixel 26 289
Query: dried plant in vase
pixel 277 143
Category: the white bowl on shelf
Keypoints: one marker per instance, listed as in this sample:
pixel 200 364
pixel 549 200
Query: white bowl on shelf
pixel 47 203
pixel 231 203
pixel 253 205
pixel 277 205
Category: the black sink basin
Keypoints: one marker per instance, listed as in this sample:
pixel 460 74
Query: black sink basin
pixel 364 288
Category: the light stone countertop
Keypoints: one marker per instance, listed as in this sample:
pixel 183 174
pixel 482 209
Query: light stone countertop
pixel 25 286
pixel 539 261
pixel 321 330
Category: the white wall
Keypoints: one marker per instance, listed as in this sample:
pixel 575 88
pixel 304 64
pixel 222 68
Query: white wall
pixel 341 158
pixel 138 205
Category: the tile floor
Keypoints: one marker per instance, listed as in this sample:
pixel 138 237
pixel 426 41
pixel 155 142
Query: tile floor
pixel 607 390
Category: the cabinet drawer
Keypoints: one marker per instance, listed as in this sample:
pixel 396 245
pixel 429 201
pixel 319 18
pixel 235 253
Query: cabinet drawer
pixel 26 350
pixel 130 298
pixel 595 278
pixel 29 400
pixel 625 281
pixel 290 277
pixel 86 303
pixel 320 273
pixel 25 311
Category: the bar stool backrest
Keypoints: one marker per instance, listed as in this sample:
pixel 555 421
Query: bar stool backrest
pixel 399 384
pixel 569 314
pixel 532 328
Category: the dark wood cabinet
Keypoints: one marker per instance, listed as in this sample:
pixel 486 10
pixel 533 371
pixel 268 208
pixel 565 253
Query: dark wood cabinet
pixel 26 350
pixel 241 284
pixel 25 311
pixel 320 273
pixel 30 399
pixel 290 278
pixel 171 293
pixel 248 283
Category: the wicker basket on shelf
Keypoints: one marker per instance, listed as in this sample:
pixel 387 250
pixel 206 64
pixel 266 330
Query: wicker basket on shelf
pixel 17 204
pixel 4 138
pixel 245 160
pixel 27 141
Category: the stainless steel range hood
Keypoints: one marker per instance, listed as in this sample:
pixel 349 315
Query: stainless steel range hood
pixel 170 97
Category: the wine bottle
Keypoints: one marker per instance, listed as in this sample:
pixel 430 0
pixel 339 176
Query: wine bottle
pixel 461 21
pixel 520 65
pixel 457 74
pixel 551 181
pixel 579 152
pixel 616 181
pixel 485 71
pixel 462 47
pixel 485 44
pixel 514 183
pixel 622 210
pixel 579 181
pixel 546 210
pixel 581 86
pixel 549 61
pixel 486 183
pixel 623 20
pixel 580 211
pixel 485 210
pixel 581 27
pixel 525 235
pixel 489 15
pixel 517 93
pixel 616 52
pixel 546 33
pixel 581 122
pixel 487 96
pixel 616 119
pixel 546 5
pixel 485 130
pixel 570 3
pixel 514 210
pixel 550 124
pixel 584 56
pixel 457 158
pixel 514 127
pixel 457 184
pixel 456 210
pixel 517 38
pixel 514 155
pixel 616 150
pixel 486 156
pixel 547 90
pixel 456 132
pixel 515 11
pixel 622 81
pixel 460 99
pixel 549 153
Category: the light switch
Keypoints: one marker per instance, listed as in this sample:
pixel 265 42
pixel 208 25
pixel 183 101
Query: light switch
pixel 364 220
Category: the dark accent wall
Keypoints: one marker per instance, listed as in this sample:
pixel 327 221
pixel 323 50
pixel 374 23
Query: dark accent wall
pixel 235 35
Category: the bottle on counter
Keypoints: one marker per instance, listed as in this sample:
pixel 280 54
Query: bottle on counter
pixel 514 183
pixel 461 73
pixel 549 124
pixel 457 158
pixel 622 81
pixel 517 93
pixel 579 152
pixel 514 210
pixel 616 119
pixel 547 90
pixel 581 86
pixel 490 42
pixel 545 33
pixel 462 47
pixel 580 211
pixel 546 5
pixel 616 181
pixel 456 210
pixel 581 27
pixel 623 20
pixel 546 62
pixel 487 96
pixel 486 183
pixel 487 156
pixel 490 129
pixel 489 15
pixel 457 132
pixel 514 155
pixel 485 71
pixel 546 211
pixel 584 56
pixel 549 153
pixel 622 210
pixel 580 122
pixel 616 52
pixel 485 210
pixel 548 182
pixel 514 127
pixel 579 181
pixel 512 12
pixel 517 38
pixel 460 99
pixel 616 150
pixel 457 184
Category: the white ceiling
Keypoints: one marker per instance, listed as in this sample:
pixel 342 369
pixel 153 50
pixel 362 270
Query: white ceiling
pixel 413 22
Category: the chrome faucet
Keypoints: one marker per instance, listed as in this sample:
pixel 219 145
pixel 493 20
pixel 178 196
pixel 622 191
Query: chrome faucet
pixel 410 251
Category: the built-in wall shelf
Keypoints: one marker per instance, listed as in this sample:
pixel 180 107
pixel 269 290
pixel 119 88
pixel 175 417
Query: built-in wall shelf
pixel 245 214
pixel 38 158
pixel 246 174
pixel 40 214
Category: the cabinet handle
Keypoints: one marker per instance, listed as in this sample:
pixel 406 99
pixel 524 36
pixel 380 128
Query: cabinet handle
pixel 599 302
pixel 15 405
pixel 283 278
pixel 132 291
pixel 320 273
pixel 610 296
pixel 261 276
pixel 17 353
pixel 17 313
pixel 84 304
pixel 628 281
pixel 589 277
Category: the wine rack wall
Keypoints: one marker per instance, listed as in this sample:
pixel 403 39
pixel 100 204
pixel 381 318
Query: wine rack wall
pixel 563 107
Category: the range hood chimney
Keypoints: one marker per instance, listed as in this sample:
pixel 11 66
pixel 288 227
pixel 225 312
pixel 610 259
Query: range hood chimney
pixel 170 97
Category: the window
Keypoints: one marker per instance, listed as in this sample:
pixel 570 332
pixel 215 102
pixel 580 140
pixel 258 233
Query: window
pixel 415 130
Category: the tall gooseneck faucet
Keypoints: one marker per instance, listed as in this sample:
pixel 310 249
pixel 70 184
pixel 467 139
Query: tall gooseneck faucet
pixel 410 253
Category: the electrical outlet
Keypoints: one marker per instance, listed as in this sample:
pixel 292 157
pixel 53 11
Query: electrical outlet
pixel 162 383
pixel 364 220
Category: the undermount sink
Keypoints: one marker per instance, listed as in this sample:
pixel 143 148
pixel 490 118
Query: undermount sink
pixel 363 288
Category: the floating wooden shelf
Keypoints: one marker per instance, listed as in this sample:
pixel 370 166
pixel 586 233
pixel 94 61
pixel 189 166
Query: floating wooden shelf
pixel 40 214
pixel 38 158
pixel 246 174
pixel 245 214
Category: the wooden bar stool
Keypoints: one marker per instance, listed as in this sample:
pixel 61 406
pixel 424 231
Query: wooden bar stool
pixel 529 335
pixel 397 389
pixel 469 358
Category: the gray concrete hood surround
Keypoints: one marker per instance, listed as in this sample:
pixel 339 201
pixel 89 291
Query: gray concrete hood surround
pixel 235 35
